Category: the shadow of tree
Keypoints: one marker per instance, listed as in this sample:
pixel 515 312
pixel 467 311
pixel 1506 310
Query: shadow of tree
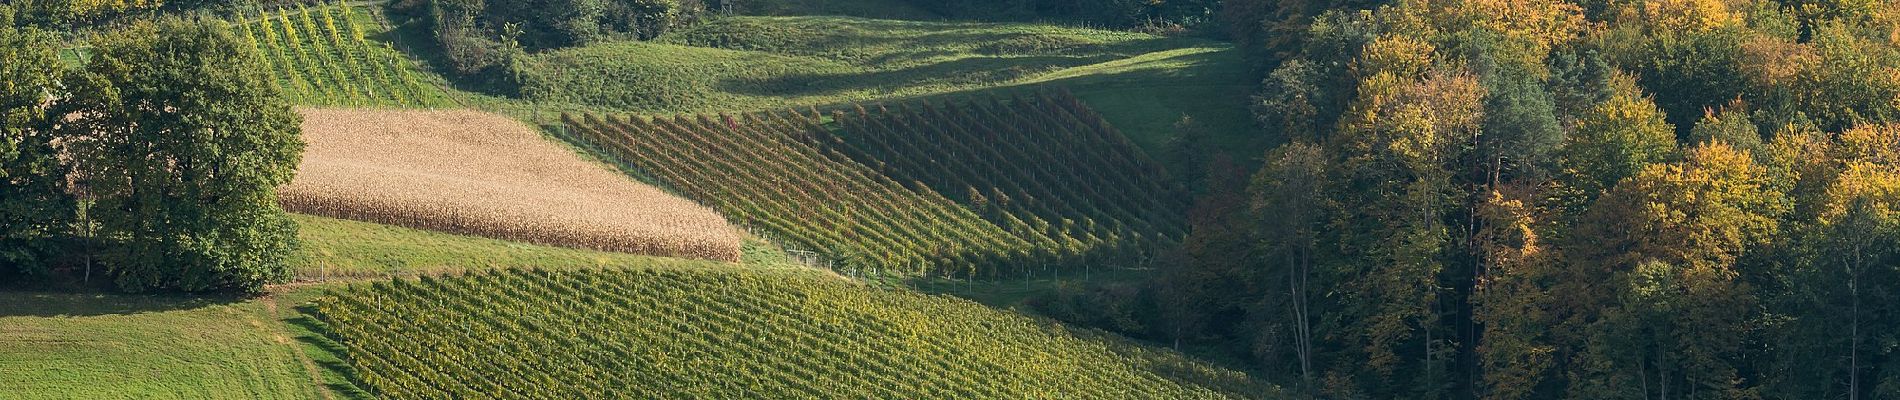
pixel 82 304
pixel 329 356
pixel 957 72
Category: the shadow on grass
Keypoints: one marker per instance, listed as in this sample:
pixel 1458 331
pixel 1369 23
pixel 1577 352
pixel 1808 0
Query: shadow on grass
pixel 961 72
pixel 330 357
pixel 15 303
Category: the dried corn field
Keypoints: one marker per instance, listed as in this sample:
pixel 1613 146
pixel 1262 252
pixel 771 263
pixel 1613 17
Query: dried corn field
pixel 486 175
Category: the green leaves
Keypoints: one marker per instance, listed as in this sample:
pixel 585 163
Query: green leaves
pixel 182 141
pixel 33 205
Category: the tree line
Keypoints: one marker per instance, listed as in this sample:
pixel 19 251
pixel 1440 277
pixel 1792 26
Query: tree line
pixel 1557 199
pixel 488 42
pixel 156 160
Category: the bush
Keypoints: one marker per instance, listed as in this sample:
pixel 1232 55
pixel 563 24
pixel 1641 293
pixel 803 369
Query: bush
pixel 485 41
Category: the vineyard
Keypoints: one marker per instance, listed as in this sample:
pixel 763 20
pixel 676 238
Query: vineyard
pixel 702 333
pixel 1046 166
pixel 486 175
pixel 323 56
pixel 980 188
pixel 753 167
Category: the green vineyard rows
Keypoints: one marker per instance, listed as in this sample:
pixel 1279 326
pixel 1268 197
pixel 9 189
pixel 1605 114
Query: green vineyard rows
pixel 322 56
pixel 753 169
pixel 680 333
pixel 1046 167
pixel 1035 183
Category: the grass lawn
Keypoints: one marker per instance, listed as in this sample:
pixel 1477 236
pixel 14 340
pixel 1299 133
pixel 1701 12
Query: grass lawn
pixel 108 346
pixel 892 9
pixel 335 248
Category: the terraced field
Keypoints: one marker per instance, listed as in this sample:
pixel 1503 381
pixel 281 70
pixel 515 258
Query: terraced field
pixel 486 175
pixel 667 333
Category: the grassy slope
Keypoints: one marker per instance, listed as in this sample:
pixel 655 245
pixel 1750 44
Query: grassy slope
pixel 335 248
pixel 891 9
pixel 1142 83
pixel 83 346
pixel 110 346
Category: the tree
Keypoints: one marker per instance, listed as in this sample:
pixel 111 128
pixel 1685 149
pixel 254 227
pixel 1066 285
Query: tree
pixel 1209 292
pixel 1398 145
pixel 1846 293
pixel 1614 140
pixel 1731 126
pixel 182 141
pixel 1188 152
pixel 34 207
pixel 1690 69
pixel 1520 123
pixel 1853 80
pixel 1291 205
pixel 1510 298
pixel 1671 237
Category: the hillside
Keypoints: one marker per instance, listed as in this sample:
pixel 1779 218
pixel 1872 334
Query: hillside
pixel 108 346
pixel 485 175
pixel 981 188
pixel 640 333
pixel 328 56
pixel 753 168
pixel 450 245
pixel 1140 82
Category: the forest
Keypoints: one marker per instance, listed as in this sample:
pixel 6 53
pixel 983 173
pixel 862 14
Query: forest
pixel 1553 199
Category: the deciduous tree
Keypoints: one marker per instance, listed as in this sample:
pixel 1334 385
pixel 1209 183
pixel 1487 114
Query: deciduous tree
pixel 34 207
pixel 183 140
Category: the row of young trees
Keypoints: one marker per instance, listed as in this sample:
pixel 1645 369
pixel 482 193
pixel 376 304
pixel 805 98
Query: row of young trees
pixel 488 41
pixel 1554 199
pixel 160 155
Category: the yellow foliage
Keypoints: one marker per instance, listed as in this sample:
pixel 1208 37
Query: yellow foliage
pixel 1544 23
pixel 1879 144
pixel 1703 211
pixel 1686 15
pixel 1865 183
pixel 89 8
pixel 1404 56
pixel 1768 61
pixel 1416 118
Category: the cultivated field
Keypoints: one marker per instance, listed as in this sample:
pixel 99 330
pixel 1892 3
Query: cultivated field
pixel 977 188
pixel 722 334
pixel 755 169
pixel 324 56
pixel 1045 166
pixel 486 175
